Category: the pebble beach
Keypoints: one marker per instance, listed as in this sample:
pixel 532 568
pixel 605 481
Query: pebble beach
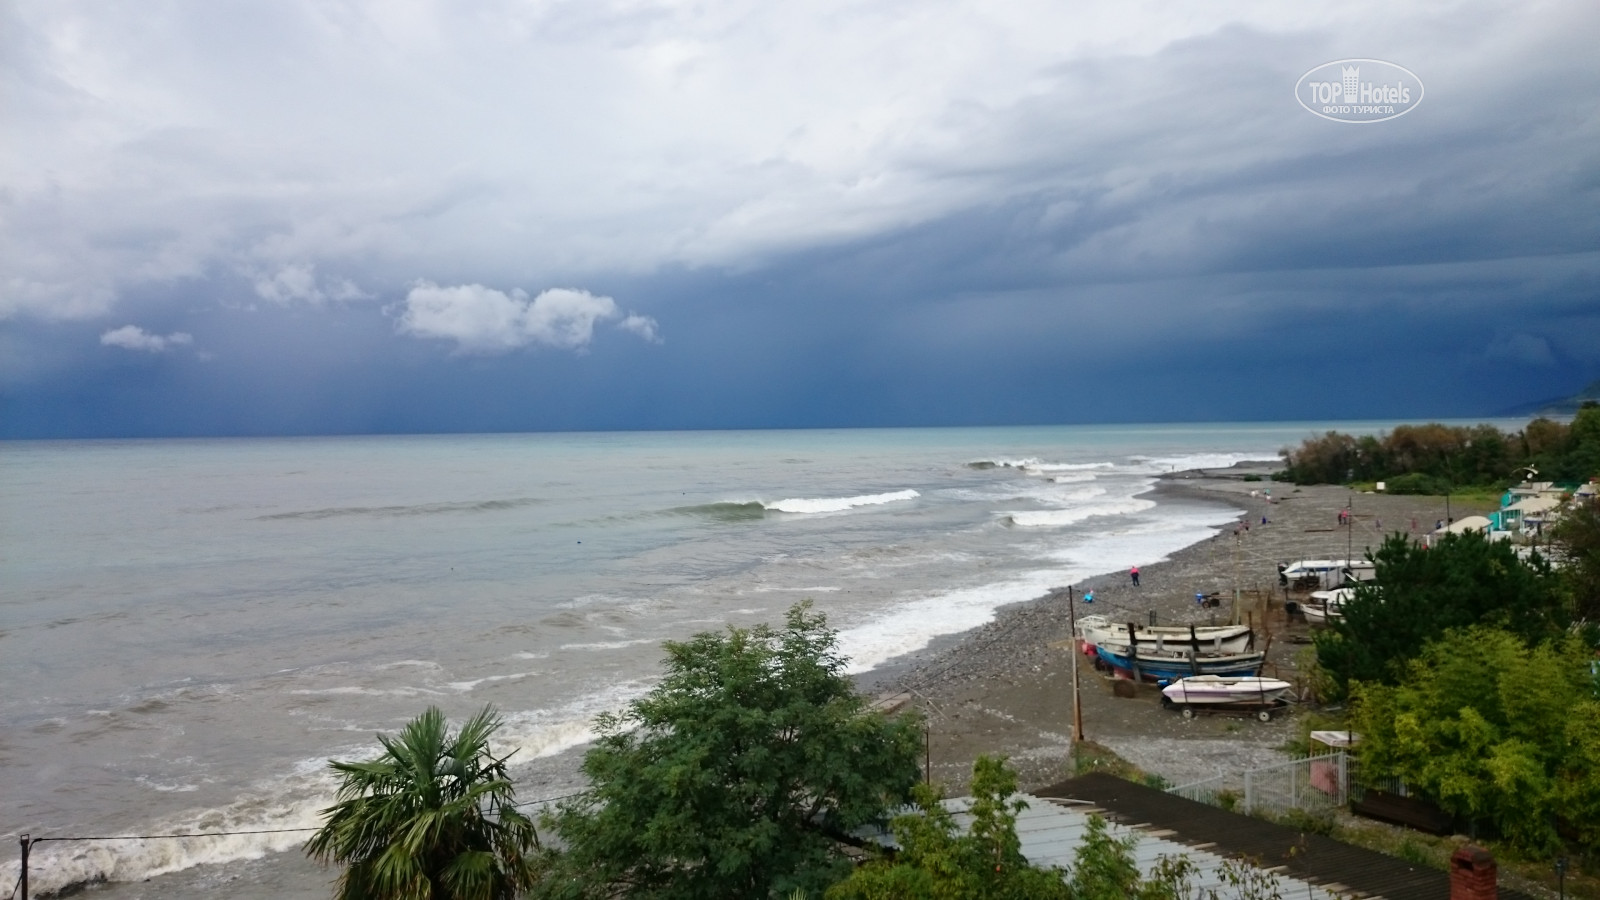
pixel 1006 688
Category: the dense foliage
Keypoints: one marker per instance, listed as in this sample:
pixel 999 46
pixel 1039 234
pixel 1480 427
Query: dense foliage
pixel 1436 458
pixel 433 818
pixel 1419 593
pixel 1575 540
pixel 939 860
pixel 740 775
pixel 1494 730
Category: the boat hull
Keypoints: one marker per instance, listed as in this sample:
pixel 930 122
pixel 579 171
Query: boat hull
pixel 1212 639
pixel 1216 691
pixel 1154 666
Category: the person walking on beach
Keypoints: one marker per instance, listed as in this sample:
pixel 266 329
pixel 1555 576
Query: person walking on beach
pixel 1134 574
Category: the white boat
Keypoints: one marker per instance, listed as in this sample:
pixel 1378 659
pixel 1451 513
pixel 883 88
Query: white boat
pixel 1326 605
pixel 1216 640
pixel 1327 573
pixel 1216 690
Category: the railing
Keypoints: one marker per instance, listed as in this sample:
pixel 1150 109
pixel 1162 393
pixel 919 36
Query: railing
pixel 1310 784
pixel 1202 791
pixel 1313 783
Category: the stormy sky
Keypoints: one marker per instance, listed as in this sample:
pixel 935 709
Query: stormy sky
pixel 408 216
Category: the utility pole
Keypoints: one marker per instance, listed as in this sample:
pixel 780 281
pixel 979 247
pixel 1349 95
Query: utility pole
pixel 1077 710
pixel 1350 528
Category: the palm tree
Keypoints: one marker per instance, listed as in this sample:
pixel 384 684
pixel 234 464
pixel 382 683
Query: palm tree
pixel 433 818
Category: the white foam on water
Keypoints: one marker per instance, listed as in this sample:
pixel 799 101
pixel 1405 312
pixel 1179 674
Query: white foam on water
pixel 611 645
pixel 912 625
pixel 1068 467
pixel 542 733
pixel 1187 461
pixel 1004 463
pixel 839 504
pixel 464 686
pixel 293 801
pixel 365 691
pixel 166 788
pixel 1055 518
pixel 1144 542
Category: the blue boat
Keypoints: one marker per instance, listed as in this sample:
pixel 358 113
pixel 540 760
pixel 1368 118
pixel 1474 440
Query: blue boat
pixel 1152 664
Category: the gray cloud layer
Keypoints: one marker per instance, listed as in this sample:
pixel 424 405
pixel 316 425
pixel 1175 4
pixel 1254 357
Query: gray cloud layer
pixel 928 182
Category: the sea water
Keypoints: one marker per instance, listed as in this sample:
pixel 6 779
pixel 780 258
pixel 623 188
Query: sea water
pixel 190 629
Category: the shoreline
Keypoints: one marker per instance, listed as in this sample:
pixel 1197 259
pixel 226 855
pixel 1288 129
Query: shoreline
pixel 1005 688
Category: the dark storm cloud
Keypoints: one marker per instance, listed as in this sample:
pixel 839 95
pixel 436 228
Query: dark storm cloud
pixel 741 215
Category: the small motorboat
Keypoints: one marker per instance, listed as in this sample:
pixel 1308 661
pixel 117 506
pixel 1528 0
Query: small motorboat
pixel 1325 605
pixel 1215 690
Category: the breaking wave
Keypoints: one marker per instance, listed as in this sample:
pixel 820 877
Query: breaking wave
pixel 1049 518
pixel 839 504
pixel 727 511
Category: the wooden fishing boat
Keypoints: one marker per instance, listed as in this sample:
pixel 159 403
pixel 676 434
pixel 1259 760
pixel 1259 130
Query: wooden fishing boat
pixel 1215 639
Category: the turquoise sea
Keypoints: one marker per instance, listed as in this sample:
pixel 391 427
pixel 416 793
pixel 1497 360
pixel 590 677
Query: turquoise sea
pixel 189 629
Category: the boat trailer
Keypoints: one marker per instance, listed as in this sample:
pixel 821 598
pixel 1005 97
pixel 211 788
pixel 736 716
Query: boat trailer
pixel 1261 711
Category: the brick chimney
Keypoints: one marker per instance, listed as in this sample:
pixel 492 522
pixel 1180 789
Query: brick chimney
pixel 1472 874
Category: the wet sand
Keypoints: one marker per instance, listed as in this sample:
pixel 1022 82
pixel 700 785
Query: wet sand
pixel 1006 688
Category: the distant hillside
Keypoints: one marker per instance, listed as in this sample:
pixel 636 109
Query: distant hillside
pixel 1558 406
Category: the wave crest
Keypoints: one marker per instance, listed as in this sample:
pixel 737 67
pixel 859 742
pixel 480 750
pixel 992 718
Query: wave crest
pixel 839 504
pixel 726 511
pixel 1051 518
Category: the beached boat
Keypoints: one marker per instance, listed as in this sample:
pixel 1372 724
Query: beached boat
pixel 1214 690
pixel 1215 639
pixel 1151 664
pixel 1326 573
pixel 1325 605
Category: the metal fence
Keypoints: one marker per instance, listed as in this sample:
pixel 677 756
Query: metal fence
pixel 1202 791
pixel 1311 784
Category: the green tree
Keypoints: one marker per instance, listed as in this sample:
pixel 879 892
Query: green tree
pixel 1420 592
pixel 1576 539
pixel 432 818
pixel 939 861
pixel 1494 730
pixel 740 775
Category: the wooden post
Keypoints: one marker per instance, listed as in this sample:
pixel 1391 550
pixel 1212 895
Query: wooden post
pixel 1133 653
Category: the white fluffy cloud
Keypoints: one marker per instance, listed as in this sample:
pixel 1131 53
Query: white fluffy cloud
pixel 484 320
pixel 643 326
pixel 132 337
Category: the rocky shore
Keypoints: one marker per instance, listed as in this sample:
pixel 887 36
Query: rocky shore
pixel 1006 688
